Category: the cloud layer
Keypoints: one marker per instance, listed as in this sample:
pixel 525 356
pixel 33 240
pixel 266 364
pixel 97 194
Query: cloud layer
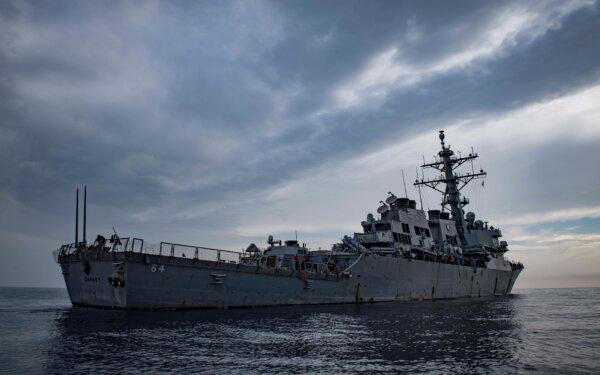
pixel 221 123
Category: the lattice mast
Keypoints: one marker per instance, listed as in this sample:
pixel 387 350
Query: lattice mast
pixel 447 164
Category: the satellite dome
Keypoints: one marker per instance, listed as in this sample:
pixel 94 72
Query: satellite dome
pixel 391 199
pixel 383 208
pixel 470 217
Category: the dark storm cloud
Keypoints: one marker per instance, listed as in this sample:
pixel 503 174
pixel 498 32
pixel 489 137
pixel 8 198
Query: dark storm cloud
pixel 553 65
pixel 183 115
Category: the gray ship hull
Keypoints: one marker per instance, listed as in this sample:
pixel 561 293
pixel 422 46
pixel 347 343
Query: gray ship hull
pixel 163 282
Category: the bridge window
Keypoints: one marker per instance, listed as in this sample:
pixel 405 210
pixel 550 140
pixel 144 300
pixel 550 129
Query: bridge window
pixel 402 238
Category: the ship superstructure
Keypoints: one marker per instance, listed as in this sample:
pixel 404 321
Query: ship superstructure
pixel 403 254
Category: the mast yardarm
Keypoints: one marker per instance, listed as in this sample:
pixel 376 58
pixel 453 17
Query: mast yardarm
pixel 454 182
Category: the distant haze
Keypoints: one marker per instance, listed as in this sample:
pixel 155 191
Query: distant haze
pixel 218 123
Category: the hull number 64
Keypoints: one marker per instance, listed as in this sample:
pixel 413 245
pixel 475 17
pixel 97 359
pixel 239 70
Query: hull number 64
pixel 157 268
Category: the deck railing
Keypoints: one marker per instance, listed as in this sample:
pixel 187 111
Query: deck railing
pixel 198 252
pixel 137 245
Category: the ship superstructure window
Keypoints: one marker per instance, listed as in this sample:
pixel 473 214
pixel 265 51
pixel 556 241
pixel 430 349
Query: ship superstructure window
pixel 422 232
pixel 405 228
pixel 382 227
pixel 402 238
pixel 451 240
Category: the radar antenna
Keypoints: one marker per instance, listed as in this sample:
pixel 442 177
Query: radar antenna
pixel 447 164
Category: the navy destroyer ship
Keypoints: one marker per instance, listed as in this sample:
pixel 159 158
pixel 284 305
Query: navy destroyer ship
pixel 402 254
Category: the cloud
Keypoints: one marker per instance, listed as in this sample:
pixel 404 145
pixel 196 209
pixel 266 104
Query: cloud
pixel 511 27
pixel 555 258
pixel 555 216
pixel 507 135
pixel 218 123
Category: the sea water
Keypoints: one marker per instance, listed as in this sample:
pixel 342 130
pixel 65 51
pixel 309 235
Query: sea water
pixel 533 330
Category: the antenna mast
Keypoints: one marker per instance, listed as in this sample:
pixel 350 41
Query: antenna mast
pixel 84 212
pixel 404 182
pixel 77 218
pixel 417 180
pixel 447 163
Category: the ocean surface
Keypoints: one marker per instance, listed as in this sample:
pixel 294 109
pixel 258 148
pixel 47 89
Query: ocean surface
pixel 533 330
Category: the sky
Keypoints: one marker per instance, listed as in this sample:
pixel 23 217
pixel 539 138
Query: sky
pixel 220 123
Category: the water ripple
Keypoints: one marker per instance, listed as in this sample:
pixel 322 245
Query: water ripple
pixel 555 331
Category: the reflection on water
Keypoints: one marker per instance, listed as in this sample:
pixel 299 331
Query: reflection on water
pixel 544 330
pixel 455 335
